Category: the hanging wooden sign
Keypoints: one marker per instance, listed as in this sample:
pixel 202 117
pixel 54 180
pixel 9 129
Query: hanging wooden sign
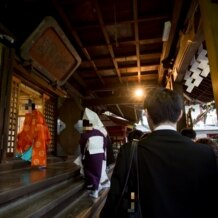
pixel 50 52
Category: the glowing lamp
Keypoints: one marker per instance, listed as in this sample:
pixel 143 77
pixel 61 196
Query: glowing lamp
pixel 139 92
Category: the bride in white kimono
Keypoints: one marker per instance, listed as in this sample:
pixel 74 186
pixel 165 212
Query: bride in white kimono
pixel 93 144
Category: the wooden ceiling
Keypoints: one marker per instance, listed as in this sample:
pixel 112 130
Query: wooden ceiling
pixel 119 42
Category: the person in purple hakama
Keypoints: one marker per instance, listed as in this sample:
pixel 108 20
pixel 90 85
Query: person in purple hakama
pixel 93 145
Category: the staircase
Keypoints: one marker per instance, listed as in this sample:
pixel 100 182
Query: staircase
pixel 55 192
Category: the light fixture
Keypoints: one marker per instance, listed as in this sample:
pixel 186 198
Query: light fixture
pixel 139 92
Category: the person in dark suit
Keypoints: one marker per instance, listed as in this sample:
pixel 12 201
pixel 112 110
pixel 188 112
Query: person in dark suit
pixel 210 142
pixel 178 177
pixel 189 132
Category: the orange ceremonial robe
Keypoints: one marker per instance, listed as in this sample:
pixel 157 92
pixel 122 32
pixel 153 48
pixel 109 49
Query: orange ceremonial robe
pixel 35 133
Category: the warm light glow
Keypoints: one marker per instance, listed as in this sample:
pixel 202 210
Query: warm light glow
pixel 139 92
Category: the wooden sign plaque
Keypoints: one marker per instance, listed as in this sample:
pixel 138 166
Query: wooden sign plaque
pixel 51 52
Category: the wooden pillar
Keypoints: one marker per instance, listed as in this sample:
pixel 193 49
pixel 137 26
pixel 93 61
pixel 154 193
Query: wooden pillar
pixel 209 12
pixel 182 123
pixel 6 63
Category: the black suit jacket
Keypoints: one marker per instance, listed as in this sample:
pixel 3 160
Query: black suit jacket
pixel 178 178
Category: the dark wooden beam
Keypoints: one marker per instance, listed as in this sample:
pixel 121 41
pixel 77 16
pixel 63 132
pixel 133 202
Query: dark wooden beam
pixel 110 101
pixel 120 111
pixel 147 80
pixel 140 20
pixel 107 39
pixel 115 87
pixel 186 53
pixel 142 69
pixel 141 42
pixel 76 36
pixel 177 10
pixel 79 80
pixel 39 82
pixel 189 44
pixel 145 77
pixel 6 31
pixel 7 56
pixel 150 56
pixel 209 13
pixel 136 30
pixel 141 57
pixel 136 115
pixel 122 70
pixel 71 91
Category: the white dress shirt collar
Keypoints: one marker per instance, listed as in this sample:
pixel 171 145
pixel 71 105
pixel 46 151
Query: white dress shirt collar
pixel 165 127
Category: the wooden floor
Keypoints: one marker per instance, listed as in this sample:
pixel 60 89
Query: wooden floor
pixel 57 191
pixel 17 178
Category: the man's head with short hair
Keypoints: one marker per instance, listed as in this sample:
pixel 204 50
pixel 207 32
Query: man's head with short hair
pixel 163 106
pixel 189 132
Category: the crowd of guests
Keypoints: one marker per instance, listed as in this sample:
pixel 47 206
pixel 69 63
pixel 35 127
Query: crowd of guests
pixel 190 133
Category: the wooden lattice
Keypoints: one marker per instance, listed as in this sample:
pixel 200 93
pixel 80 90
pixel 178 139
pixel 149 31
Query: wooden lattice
pixel 49 111
pixel 50 117
pixel 12 133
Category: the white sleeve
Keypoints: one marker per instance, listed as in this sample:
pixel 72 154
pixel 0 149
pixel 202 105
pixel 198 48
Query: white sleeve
pixel 95 145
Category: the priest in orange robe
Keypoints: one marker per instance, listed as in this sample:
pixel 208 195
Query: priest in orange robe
pixel 34 135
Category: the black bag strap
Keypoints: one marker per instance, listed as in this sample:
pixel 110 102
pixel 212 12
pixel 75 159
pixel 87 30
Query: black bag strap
pixel 132 153
pixel 133 159
pixel 137 177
